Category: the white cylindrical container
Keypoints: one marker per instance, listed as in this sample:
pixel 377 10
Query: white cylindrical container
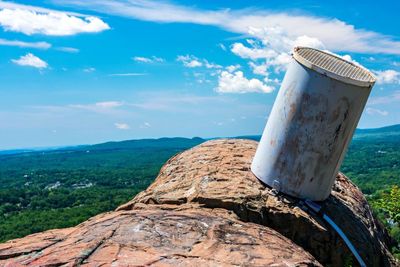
pixel 311 123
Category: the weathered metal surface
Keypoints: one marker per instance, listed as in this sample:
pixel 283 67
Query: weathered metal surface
pixel 308 131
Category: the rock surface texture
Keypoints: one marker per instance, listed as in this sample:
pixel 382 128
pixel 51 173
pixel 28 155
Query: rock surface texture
pixel 206 208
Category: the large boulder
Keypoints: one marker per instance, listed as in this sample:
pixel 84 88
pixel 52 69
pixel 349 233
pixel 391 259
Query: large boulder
pixel 206 208
pixel 216 174
pixel 157 237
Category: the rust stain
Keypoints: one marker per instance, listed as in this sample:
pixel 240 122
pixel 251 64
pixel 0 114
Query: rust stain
pixel 292 111
pixel 272 142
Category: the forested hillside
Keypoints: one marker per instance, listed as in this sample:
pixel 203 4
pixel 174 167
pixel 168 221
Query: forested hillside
pixel 61 188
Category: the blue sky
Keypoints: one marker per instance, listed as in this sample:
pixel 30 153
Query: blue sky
pixel 79 72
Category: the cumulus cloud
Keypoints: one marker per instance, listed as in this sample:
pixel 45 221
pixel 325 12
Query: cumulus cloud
pixel 34 20
pixel 204 68
pixel 346 37
pixel 235 82
pixel 270 49
pixel 122 126
pixel 251 53
pixel 191 61
pixel 232 68
pixel 210 65
pixel 387 77
pixel 307 41
pixel 152 59
pixel 38 45
pixel 30 60
pixel 260 69
pixel 375 111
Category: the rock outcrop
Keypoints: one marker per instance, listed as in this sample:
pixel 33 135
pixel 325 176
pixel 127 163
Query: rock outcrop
pixel 206 208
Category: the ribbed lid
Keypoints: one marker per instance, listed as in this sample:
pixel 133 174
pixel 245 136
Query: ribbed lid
pixel 334 66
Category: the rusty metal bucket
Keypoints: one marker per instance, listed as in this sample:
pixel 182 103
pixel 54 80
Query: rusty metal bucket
pixel 311 123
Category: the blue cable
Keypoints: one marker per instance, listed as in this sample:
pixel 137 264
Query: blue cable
pixel 317 209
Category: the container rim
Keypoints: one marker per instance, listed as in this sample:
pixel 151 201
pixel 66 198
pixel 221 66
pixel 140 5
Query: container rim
pixel 329 71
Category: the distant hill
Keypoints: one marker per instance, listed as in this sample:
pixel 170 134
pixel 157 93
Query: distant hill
pixel 15 151
pixel 387 132
pixel 387 129
pixel 175 142
pixel 38 149
pixel 167 143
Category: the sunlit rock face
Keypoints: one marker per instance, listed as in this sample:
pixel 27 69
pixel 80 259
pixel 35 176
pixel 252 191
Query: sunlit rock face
pixel 206 208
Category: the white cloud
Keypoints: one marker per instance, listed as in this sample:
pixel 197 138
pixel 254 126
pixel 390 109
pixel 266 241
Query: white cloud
pixel 152 59
pixel 89 70
pixel 127 74
pixel 122 126
pixel 30 60
pixel 271 48
pixel 251 53
pixel 68 49
pixel 191 61
pixel 35 20
pixel 348 58
pixel 232 68
pixel 375 111
pixel 193 64
pixel 145 125
pixel 307 41
pixel 109 104
pixel 222 46
pixel 104 107
pixel 273 33
pixel 387 77
pixel 209 65
pixel 236 83
pixel 392 98
pixel 259 69
pixel 38 45
pixel 208 68
pixel 335 34
pixel 99 107
pixel 13 5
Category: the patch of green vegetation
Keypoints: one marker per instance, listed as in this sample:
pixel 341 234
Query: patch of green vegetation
pixel 61 188
pixel 373 163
